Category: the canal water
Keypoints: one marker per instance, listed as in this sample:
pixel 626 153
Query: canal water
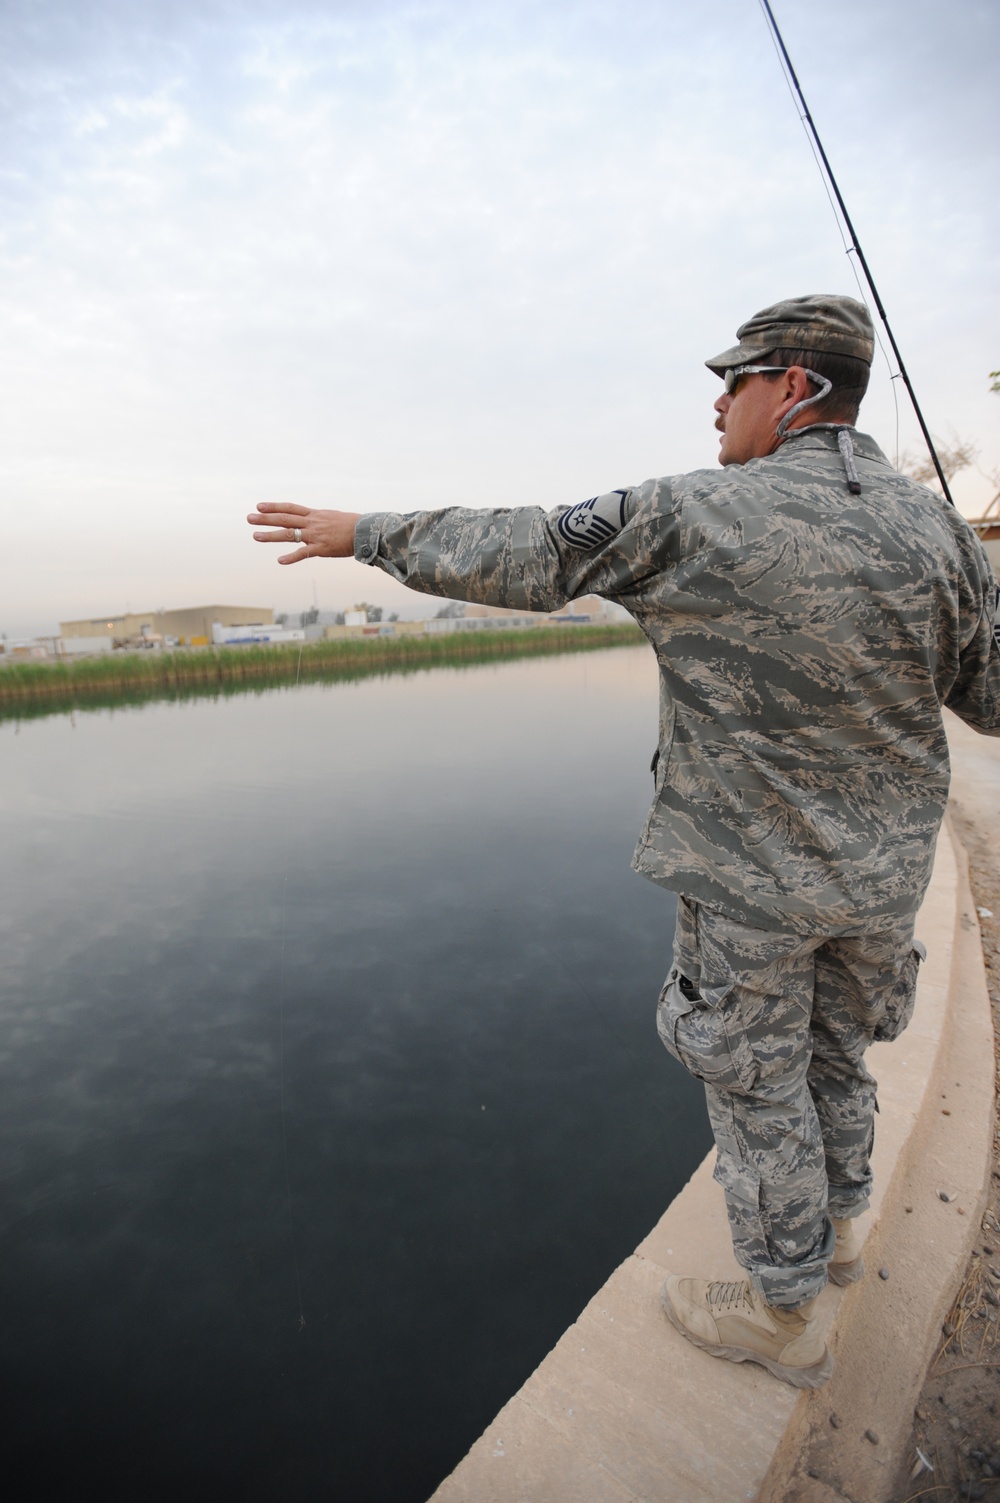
pixel 330 1087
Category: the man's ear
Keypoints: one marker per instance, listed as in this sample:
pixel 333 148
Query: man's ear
pixel 798 385
pixel 793 386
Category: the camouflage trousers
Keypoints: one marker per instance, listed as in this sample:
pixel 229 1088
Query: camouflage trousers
pixel 776 1025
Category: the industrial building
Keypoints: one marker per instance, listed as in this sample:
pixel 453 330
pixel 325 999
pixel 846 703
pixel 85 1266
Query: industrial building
pixel 190 627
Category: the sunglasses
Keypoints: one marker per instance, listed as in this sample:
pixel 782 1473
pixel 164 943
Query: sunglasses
pixel 732 377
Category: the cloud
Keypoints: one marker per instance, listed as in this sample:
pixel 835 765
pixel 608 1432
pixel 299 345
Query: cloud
pixel 417 254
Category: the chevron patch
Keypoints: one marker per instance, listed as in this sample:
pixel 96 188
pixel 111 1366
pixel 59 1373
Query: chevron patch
pixel 589 524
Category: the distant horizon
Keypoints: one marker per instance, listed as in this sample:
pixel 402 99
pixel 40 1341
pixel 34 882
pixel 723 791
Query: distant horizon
pixel 425 608
pixel 417 611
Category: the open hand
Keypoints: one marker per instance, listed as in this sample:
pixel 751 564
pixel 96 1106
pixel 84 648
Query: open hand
pixel 317 534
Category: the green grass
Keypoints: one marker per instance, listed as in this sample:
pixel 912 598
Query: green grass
pixel 31 689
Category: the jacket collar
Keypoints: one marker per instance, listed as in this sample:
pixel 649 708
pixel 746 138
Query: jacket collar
pixel 815 438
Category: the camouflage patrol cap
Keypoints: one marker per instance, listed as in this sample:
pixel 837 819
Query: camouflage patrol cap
pixel 839 325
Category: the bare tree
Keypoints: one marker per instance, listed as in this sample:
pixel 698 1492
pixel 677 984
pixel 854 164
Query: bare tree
pixel 957 455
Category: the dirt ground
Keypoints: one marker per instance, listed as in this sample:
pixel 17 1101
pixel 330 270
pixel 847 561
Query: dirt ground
pixel 954 1451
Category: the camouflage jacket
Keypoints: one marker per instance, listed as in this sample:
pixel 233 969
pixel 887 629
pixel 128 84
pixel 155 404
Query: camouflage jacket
pixel 806 640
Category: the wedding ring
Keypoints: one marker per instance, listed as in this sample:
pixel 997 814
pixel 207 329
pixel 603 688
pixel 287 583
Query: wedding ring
pixel 296 535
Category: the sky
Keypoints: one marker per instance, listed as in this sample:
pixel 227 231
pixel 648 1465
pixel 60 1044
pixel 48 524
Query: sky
pixel 414 253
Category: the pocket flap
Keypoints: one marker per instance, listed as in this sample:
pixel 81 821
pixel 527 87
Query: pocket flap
pixel 741 1181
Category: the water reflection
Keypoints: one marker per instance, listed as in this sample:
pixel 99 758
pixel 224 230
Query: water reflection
pixel 480 1122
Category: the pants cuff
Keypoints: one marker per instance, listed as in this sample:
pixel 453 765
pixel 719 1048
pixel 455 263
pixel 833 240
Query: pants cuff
pixel 787 1289
pixel 845 1208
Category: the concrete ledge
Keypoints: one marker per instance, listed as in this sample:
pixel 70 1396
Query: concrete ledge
pixel 886 1332
pixel 623 1409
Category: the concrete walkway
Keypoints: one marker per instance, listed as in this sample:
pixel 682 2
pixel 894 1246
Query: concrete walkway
pixel 623 1409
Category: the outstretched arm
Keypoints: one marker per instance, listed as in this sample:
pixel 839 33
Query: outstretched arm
pixel 522 557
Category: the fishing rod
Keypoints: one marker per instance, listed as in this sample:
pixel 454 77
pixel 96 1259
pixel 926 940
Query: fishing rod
pixel 855 244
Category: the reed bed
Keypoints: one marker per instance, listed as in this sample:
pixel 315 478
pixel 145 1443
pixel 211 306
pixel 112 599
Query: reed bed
pixel 30 689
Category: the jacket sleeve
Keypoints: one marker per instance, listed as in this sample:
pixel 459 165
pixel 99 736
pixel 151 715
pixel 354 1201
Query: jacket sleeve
pixel 525 558
pixel 975 694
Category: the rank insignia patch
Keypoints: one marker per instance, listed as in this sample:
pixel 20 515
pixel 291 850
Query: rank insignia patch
pixel 591 523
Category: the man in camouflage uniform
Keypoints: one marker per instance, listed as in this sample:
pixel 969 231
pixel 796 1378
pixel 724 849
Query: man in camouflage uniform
pixel 811 611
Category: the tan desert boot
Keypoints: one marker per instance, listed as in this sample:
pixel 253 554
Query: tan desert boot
pixel 731 1320
pixel 847 1264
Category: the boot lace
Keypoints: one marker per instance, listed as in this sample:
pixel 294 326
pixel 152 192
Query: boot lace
pixel 735 1295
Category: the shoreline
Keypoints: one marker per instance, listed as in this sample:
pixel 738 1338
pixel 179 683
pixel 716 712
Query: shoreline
pixel 32 689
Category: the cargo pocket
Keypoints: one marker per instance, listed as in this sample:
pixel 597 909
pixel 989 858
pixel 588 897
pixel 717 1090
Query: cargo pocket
pixel 748 1218
pixel 897 1006
pixel 706 1032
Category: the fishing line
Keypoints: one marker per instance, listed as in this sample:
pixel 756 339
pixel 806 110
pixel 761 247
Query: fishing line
pixel 281 1028
pixel 893 375
pixel 844 222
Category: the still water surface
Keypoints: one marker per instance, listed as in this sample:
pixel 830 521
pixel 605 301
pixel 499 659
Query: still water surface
pixel 480 1121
